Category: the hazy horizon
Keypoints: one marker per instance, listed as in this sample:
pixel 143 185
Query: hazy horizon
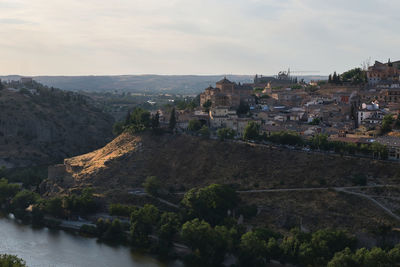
pixel 193 37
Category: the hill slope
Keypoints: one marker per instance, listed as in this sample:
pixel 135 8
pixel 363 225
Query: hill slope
pixel 190 161
pixel 183 162
pixel 39 125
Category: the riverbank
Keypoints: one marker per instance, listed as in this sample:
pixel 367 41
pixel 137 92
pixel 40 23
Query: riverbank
pixel 43 246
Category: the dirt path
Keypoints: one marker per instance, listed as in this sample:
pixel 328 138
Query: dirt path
pixel 344 189
pixel 387 210
pixel 312 189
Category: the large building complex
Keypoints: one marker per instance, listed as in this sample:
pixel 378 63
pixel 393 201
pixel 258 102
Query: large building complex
pixel 383 72
pixel 227 94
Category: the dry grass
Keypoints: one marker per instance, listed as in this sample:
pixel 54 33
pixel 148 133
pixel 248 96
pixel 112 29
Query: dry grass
pixel 317 209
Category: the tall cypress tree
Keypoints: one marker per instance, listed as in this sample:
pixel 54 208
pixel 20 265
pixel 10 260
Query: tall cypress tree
pixel 335 78
pixel 172 119
pixel 155 121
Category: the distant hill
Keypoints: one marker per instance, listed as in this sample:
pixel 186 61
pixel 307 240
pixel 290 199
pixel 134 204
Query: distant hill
pixel 173 84
pixel 40 125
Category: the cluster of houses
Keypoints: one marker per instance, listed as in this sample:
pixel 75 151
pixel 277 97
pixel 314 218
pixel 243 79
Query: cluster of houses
pixel 351 113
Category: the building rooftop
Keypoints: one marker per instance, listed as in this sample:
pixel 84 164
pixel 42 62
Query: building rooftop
pixel 224 81
pixel 389 141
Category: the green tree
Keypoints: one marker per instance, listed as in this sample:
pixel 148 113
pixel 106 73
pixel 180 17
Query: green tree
pixel 54 206
pixel 172 120
pixel 394 254
pixel 152 185
pixel 355 76
pixel 210 203
pixel 344 258
pixel 24 199
pixel 194 125
pixel 225 133
pixel 118 128
pixel 204 131
pixel 155 121
pixel 115 232
pixel 11 261
pixel 251 131
pixel 387 123
pixel 169 225
pixel 253 250
pixel 121 210
pixel 376 257
pixel 82 204
pixel 139 118
pixel 143 221
pixel 243 108
pixel 7 191
pixel 210 245
pixel 207 106
pixel 379 150
pixel 274 251
pixel 320 141
pixel 285 138
pixel 315 121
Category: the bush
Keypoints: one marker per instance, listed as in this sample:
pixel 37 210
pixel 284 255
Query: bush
pixel 251 131
pixel 204 131
pixel 194 125
pixel 24 199
pixel 54 207
pixel 83 204
pixel 121 210
pixel 359 179
pixel 225 133
pixel 88 229
pixel 152 185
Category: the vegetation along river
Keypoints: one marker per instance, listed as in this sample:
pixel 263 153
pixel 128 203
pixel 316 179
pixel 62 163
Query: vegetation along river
pixel 47 248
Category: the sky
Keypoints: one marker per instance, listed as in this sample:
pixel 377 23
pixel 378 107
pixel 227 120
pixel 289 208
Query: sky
pixel 112 37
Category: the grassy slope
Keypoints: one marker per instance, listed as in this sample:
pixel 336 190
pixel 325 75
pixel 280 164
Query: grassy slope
pixel 183 162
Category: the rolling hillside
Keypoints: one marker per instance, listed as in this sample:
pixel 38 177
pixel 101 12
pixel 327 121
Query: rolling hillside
pixel 39 125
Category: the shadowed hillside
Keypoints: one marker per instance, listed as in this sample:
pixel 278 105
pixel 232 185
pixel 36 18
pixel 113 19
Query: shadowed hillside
pixel 184 162
pixel 40 125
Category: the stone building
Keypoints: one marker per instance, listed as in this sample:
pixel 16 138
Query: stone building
pixel 383 72
pixel 227 94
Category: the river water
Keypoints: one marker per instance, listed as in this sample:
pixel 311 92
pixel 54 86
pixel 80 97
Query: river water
pixel 55 248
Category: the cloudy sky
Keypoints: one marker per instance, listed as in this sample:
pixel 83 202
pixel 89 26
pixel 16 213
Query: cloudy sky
pixel 83 37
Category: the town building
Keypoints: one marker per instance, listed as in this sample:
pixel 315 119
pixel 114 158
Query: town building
pixel 383 72
pixel 370 114
pixel 393 145
pixel 227 94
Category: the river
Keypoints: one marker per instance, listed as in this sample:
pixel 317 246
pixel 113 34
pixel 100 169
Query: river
pixel 55 248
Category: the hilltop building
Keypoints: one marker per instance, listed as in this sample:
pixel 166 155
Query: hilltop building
pixel 26 80
pixel 227 94
pixel 383 73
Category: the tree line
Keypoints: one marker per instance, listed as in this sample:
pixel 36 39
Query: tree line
pixel 207 224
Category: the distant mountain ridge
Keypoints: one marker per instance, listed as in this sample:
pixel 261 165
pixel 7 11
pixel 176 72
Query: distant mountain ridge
pixel 172 84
